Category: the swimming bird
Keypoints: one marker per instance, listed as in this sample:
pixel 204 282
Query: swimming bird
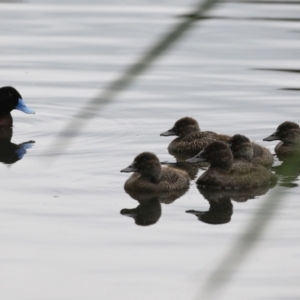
pixel 11 99
pixel 150 176
pixel 190 138
pixel 289 135
pixel 243 149
pixel 224 173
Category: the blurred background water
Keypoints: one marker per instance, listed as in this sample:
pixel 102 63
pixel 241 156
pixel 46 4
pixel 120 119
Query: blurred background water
pixel 62 234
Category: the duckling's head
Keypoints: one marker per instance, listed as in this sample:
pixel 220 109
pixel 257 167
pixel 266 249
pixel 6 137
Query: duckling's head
pixel 288 132
pixel 147 164
pixel 217 154
pixel 241 147
pixel 11 99
pixel 183 127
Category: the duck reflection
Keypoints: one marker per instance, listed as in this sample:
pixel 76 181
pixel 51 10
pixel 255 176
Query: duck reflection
pixel 149 209
pixel 288 172
pixel 221 207
pixel 146 213
pixel 10 152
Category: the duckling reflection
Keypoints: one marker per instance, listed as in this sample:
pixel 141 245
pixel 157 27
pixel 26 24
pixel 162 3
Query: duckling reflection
pixel 221 208
pixel 220 211
pixel 148 211
pixel 10 152
pixel 288 172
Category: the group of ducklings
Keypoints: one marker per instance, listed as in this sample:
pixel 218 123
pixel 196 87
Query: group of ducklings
pixel 234 162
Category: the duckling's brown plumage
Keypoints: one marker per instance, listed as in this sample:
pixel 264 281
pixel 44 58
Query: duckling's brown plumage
pixel 150 176
pixel 289 135
pixel 243 149
pixel 190 137
pixel 224 173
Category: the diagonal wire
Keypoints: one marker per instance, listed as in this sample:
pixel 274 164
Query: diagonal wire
pixel 91 108
pixel 228 267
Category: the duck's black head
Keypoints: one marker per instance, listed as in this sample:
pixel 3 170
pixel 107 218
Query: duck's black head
pixel 241 147
pixel 11 99
pixel 217 154
pixel 183 127
pixel 147 164
pixel 288 132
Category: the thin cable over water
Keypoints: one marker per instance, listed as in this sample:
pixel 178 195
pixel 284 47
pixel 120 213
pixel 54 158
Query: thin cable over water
pixel 92 107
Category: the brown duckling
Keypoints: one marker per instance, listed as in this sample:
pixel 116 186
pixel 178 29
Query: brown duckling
pixel 289 135
pixel 243 149
pixel 190 138
pixel 150 176
pixel 224 173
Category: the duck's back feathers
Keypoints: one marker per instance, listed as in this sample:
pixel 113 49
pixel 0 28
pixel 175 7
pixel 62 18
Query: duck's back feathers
pixel 171 180
pixel 242 174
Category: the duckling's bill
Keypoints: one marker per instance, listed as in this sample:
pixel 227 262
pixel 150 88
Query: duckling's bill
pixel 168 132
pixel 200 157
pixel 273 137
pixel 129 169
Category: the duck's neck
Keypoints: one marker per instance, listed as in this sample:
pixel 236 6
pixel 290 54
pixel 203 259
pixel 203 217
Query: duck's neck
pixel 188 132
pixel 153 174
pixel 6 120
pixel 223 163
pixel 245 152
pixel 292 138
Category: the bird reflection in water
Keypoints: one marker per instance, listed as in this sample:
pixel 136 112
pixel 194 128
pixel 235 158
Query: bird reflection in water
pixel 10 152
pixel 288 172
pixel 221 207
pixel 149 209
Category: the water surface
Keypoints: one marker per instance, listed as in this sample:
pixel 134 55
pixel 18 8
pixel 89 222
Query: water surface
pixel 62 234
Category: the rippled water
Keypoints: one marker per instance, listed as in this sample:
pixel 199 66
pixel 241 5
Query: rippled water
pixel 62 234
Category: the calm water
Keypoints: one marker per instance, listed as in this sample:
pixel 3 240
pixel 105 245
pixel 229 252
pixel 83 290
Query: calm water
pixel 62 234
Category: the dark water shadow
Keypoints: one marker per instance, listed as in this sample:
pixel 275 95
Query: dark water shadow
pixel 149 209
pixel 291 89
pixel 278 70
pixel 230 18
pixel 220 205
pixel 263 2
pixel 10 152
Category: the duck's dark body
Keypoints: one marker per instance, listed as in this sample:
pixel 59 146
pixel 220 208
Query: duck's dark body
pixel 190 138
pixel 243 149
pixel 289 135
pixel 150 176
pixel 223 173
